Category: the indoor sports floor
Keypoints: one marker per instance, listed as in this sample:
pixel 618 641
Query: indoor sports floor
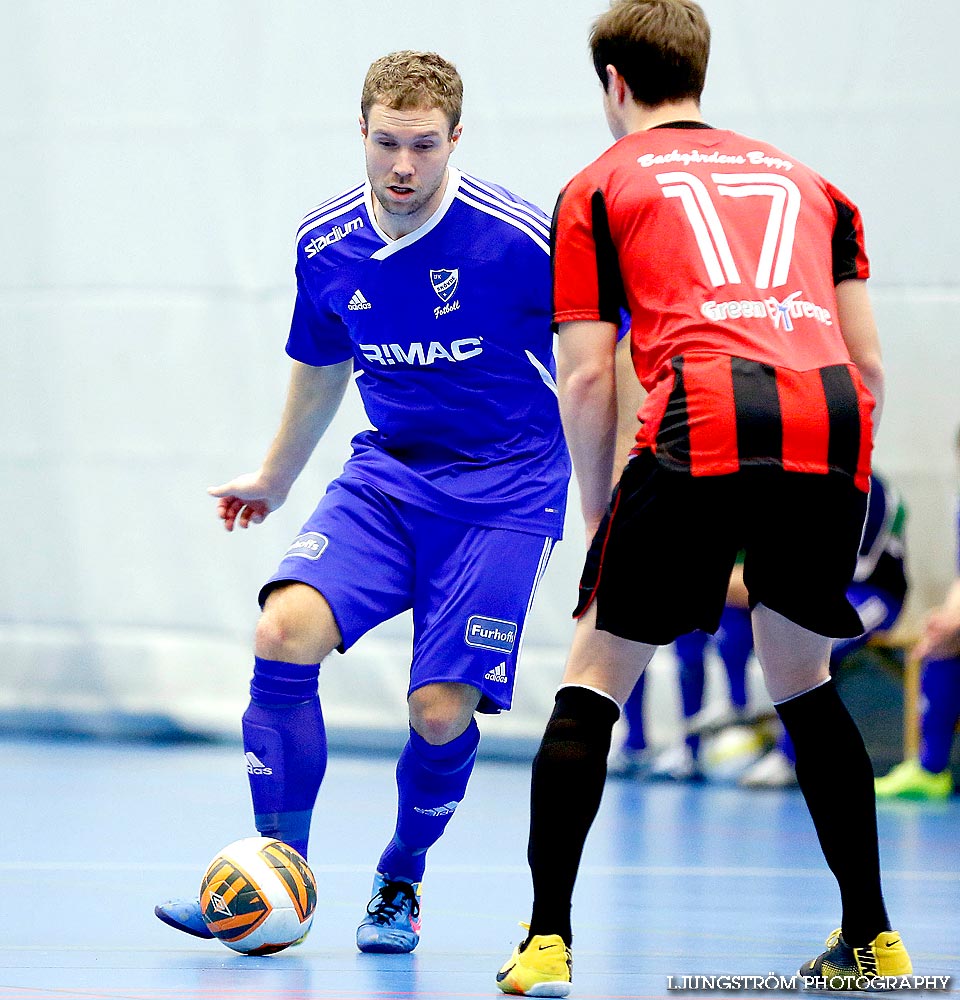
pixel 676 880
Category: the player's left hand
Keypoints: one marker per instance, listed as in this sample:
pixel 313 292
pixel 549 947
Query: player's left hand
pixel 247 500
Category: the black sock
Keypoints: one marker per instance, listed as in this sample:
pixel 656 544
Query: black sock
pixel 836 778
pixel 569 771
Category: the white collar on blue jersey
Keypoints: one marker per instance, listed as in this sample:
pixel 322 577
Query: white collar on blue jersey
pixel 391 245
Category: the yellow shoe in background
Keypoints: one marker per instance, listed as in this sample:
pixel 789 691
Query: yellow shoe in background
pixel 910 780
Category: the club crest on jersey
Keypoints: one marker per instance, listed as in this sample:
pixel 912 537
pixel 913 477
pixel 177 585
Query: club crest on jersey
pixel 445 283
pixel 309 545
pixel 491 633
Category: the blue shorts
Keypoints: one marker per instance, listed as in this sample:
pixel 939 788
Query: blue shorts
pixel 373 556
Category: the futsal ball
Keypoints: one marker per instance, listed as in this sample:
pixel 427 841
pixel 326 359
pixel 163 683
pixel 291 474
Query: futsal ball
pixel 258 896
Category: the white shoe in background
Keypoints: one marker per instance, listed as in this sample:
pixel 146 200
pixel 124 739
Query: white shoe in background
pixel 773 770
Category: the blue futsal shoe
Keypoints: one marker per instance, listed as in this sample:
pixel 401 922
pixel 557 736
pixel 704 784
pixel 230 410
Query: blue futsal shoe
pixel 392 923
pixel 185 915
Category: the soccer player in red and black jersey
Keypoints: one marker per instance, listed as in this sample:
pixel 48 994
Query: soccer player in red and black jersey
pixel 752 333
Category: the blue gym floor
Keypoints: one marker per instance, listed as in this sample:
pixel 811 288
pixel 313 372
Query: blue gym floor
pixel 676 880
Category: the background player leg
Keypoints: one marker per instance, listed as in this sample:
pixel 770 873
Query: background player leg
pixel 432 776
pixel 940 686
pixel 631 759
pixel 929 776
pixel 735 644
pixel 680 762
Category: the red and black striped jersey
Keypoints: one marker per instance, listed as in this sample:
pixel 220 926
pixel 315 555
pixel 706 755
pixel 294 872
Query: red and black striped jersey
pixel 726 253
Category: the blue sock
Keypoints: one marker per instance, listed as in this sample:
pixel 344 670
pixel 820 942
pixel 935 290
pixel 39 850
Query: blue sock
pixel 285 744
pixel 735 644
pixel 785 746
pixel 940 685
pixel 431 781
pixel 690 650
pixel 633 714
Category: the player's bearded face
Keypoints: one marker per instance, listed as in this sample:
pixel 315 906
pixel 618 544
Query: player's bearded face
pixel 407 154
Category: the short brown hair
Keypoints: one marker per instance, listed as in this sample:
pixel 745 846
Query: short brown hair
pixel 408 80
pixel 660 47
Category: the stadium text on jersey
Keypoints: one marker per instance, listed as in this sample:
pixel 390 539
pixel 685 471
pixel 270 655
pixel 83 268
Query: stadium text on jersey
pixel 334 236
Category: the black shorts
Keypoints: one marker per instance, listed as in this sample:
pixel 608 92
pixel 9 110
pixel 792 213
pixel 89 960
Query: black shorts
pixel 660 563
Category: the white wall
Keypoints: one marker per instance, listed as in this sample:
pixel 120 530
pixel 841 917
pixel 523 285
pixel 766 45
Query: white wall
pixel 155 159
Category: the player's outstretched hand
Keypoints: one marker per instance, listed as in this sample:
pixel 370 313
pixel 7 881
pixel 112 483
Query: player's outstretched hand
pixel 246 500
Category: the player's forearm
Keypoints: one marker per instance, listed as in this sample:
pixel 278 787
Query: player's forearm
pixel 586 379
pixel 873 379
pixel 313 398
pixel 589 411
pixel 859 331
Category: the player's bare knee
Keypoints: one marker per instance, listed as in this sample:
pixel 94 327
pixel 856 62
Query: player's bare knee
pixel 793 659
pixel 437 725
pixel 296 626
pixel 783 685
pixel 279 636
pixel 441 712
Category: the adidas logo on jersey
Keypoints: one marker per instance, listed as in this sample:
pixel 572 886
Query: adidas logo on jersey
pixel 498 673
pixel 255 765
pixel 357 301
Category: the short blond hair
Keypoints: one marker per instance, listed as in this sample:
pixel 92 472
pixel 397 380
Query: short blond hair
pixel 660 47
pixel 407 80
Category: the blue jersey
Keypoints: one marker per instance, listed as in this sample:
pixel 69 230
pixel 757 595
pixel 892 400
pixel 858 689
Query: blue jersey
pixel 881 559
pixel 449 331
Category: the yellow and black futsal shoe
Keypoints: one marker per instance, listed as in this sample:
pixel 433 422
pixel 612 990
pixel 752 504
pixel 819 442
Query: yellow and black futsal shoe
pixel 841 967
pixel 542 967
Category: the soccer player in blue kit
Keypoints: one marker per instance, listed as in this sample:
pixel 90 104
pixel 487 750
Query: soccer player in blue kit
pixel 432 288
